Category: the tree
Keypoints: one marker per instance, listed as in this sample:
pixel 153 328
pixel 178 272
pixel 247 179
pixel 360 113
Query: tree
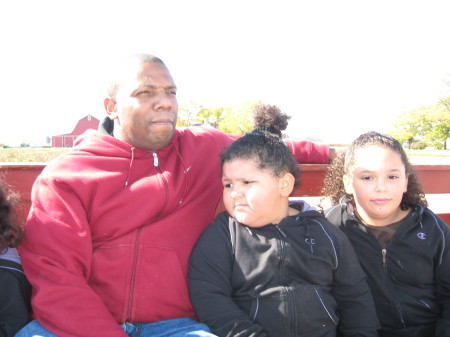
pixel 237 121
pixel 410 126
pixel 439 121
pixel 212 116
pixel 187 113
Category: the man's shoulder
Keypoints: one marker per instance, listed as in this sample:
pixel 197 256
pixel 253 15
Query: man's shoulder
pixel 201 131
pixel 205 134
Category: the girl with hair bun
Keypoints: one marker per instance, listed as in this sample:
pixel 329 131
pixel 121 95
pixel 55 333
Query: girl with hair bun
pixel 268 268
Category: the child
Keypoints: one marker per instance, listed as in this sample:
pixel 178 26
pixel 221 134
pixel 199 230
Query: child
pixel 15 291
pixel 402 246
pixel 266 269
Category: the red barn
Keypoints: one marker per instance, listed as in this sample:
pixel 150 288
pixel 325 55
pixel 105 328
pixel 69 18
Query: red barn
pixel 67 140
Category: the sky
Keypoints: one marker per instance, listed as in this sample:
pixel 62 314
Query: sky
pixel 338 68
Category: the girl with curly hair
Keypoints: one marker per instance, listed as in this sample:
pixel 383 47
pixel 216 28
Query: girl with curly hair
pixel 15 291
pixel 269 268
pixel 403 247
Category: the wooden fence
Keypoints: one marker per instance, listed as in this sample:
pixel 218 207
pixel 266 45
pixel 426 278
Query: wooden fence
pixel 435 180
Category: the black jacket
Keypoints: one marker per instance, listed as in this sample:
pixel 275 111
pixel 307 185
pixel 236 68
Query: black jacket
pixel 300 278
pixel 410 279
pixel 15 293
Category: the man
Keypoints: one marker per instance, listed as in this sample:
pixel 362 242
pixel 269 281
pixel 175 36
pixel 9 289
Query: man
pixel 113 221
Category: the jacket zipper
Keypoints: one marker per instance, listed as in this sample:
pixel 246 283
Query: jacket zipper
pixel 397 305
pixel 136 249
pixel 288 291
pixel 383 254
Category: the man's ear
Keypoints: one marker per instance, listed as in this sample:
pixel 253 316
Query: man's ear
pixel 286 184
pixel 110 107
pixel 347 184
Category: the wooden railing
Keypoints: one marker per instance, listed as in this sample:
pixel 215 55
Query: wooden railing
pixel 435 180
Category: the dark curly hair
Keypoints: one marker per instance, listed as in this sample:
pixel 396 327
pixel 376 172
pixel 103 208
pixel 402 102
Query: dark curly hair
pixel 343 164
pixel 10 230
pixel 264 143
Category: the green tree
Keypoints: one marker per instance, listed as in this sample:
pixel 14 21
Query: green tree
pixel 409 127
pixel 212 116
pixel 439 122
pixel 187 113
pixel 238 120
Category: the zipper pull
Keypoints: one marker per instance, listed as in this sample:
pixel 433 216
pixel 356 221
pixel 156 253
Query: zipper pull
pixel 155 159
pixel 383 253
pixel 281 232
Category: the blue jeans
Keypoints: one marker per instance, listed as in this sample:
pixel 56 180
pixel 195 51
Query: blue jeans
pixel 179 327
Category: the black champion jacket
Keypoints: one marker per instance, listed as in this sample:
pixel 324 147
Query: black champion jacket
pixel 410 279
pixel 300 278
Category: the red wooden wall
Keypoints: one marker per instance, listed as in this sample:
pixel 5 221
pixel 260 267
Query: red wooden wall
pixel 435 180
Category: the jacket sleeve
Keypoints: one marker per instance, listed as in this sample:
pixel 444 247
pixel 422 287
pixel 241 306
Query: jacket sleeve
pixel 442 279
pixel 14 303
pixel 356 308
pixel 210 273
pixel 308 152
pixel 56 255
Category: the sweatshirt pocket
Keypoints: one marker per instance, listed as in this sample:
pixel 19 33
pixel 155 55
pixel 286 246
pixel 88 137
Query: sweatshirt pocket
pixel 316 311
pixel 299 311
pixel 159 296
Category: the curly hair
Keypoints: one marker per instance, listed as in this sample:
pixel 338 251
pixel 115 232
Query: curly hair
pixel 344 162
pixel 264 144
pixel 10 230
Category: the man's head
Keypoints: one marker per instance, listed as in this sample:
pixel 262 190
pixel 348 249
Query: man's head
pixel 142 101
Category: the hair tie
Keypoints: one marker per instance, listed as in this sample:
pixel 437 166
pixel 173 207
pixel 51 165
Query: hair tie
pixel 267 129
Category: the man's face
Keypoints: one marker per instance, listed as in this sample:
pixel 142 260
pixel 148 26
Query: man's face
pixel 145 107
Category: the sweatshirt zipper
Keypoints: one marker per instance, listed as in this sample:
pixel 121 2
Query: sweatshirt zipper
pixel 133 275
pixel 397 305
pixel 138 239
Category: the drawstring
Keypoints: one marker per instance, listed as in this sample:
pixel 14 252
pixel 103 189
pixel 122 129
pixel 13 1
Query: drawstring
pixel 131 164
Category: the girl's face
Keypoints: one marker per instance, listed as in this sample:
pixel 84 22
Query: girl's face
pixel 253 196
pixel 377 183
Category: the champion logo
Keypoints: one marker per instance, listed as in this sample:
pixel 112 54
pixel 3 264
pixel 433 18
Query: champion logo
pixel 310 241
pixel 422 236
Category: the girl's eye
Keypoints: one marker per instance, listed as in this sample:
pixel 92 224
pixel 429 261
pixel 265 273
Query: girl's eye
pixel 228 185
pixel 247 182
pixel 366 178
pixel 392 177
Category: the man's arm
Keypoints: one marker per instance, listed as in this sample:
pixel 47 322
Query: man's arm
pixel 56 255
pixel 307 152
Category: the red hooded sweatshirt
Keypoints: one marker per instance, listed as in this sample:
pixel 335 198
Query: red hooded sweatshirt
pixel 111 228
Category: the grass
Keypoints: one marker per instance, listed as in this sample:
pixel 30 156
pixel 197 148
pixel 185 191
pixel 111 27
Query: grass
pixel 434 153
pixel 30 154
pixel 44 155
